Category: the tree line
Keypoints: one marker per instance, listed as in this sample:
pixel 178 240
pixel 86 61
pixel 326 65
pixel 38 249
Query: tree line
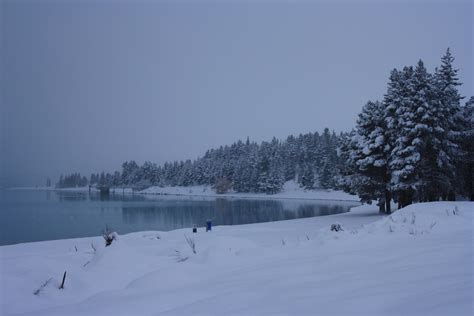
pixel 310 159
pixel 416 144
pixel 72 180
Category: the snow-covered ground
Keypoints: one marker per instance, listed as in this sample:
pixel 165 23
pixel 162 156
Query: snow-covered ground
pixel 418 261
pixel 291 190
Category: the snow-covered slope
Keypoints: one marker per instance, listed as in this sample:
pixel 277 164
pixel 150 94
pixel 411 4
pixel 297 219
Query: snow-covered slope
pixel 418 261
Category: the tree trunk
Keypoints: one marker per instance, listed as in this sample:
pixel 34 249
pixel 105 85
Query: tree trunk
pixel 401 200
pixel 381 206
pixel 409 198
pixel 388 198
pixel 451 196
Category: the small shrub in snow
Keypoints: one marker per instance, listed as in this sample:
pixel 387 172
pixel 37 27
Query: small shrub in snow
pixel 456 210
pixel 191 243
pixel 109 236
pixel 178 257
pixel 336 228
pixel 413 218
pixel 390 228
pixel 41 288
pixel 283 242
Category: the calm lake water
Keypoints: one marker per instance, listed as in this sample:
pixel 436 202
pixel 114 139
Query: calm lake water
pixel 29 215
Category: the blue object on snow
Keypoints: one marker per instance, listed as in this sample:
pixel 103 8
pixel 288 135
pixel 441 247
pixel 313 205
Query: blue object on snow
pixel 208 225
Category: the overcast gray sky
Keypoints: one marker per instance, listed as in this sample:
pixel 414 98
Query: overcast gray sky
pixel 87 85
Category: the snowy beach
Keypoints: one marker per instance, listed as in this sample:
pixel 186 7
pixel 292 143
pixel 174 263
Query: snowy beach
pixel 377 265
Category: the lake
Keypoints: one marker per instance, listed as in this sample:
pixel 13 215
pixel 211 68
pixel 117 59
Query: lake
pixel 34 215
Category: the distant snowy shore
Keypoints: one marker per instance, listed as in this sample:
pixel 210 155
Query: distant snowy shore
pixel 418 261
pixel 291 190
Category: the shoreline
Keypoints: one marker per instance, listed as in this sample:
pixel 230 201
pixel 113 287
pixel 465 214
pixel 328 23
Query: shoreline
pixel 356 210
pixel 256 196
pixel 304 258
pixel 290 191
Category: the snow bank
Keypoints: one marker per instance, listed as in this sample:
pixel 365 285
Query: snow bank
pixel 291 190
pixel 418 261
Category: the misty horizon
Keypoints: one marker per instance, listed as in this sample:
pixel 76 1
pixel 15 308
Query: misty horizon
pixel 162 82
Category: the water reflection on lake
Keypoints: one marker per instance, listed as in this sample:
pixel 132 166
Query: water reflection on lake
pixel 29 215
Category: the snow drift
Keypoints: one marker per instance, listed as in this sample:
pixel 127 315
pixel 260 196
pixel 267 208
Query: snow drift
pixel 418 261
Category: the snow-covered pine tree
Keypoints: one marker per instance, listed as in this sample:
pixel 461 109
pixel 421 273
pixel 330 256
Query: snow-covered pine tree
pixel 446 81
pixel 371 154
pixel 270 172
pixel 401 121
pixel 117 179
pixel 102 179
pixel 428 136
pixel 129 173
pixel 307 179
pixel 346 168
pixel 326 159
pixel 465 168
pixel 60 183
pixel 290 154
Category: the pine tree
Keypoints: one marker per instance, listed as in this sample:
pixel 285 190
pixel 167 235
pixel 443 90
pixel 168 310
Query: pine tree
pixel 60 182
pixel 428 137
pixel 446 82
pixel 369 152
pixel 405 156
pixel 465 168
pixel 307 179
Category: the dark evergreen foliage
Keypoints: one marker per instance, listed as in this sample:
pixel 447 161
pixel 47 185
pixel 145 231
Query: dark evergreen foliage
pixel 310 159
pixel 71 181
pixel 411 146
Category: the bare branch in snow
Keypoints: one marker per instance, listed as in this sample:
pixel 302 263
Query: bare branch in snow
pixel 41 288
pixel 191 243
